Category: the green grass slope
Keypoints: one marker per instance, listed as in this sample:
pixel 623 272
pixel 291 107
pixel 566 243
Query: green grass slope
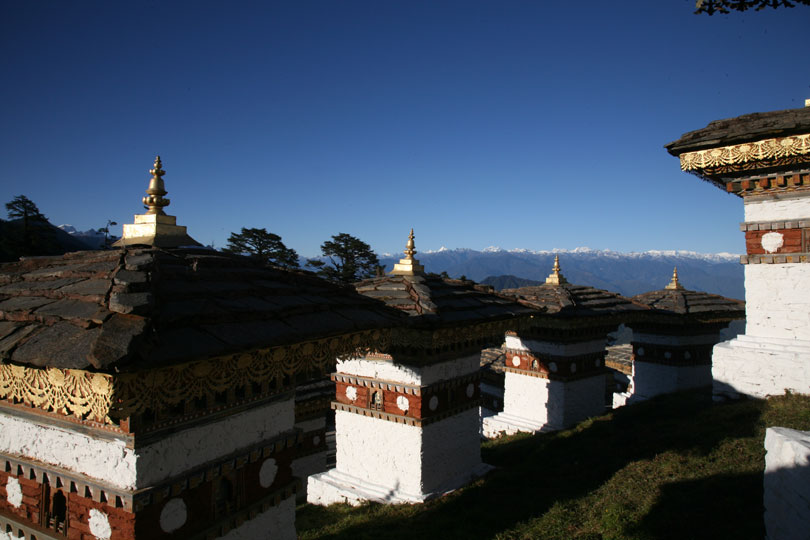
pixel 674 467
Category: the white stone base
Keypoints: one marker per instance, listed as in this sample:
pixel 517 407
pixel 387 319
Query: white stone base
pixel 388 462
pixel 336 487
pixel 306 466
pixel 787 484
pixel 532 404
pixel 277 523
pixel 760 367
pixel 620 399
pixel 507 424
pixel 650 379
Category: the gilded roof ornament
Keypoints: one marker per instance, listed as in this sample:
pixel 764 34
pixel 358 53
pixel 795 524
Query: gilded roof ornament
pixel 675 285
pixel 409 247
pixel 154 199
pixel 155 228
pixel 408 266
pixel 556 277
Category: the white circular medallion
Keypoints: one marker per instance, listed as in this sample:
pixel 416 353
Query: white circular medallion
pixel 268 472
pixel 99 525
pixel 470 390
pixel 772 241
pixel 516 361
pixel 316 440
pixel 433 403
pixel 402 403
pixel 174 515
pixel 640 351
pixel 14 492
pixel 351 393
pixel 553 366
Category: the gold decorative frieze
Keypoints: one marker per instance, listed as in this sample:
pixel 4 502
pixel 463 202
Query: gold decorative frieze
pixel 165 388
pixel 740 154
pixel 108 398
pixel 70 392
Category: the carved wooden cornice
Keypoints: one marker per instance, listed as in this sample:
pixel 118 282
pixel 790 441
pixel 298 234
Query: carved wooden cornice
pixel 740 157
pixel 108 399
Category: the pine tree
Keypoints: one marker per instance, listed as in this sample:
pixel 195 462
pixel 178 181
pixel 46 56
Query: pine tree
pixel 263 246
pixel 351 259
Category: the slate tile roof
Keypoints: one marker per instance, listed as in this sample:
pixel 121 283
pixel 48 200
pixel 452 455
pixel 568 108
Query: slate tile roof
pixel 576 301
pixel 742 129
pixel 436 301
pixel 133 308
pixel 692 303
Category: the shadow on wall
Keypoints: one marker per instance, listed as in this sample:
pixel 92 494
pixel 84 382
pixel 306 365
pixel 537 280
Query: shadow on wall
pixel 787 484
pixel 787 504
pixel 734 329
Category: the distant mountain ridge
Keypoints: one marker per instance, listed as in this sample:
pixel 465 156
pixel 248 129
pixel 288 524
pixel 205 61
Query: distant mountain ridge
pixel 95 239
pixel 625 273
pixel 43 239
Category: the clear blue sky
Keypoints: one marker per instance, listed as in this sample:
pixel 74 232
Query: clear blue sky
pixel 519 124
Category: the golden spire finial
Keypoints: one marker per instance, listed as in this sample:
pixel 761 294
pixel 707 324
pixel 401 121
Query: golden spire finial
pixel 556 277
pixel 408 266
pixel 154 199
pixel 155 228
pixel 409 251
pixel 675 284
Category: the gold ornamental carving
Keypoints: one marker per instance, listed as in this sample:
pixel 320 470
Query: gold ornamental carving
pixel 70 392
pixel 104 398
pixel 740 154
pixel 107 399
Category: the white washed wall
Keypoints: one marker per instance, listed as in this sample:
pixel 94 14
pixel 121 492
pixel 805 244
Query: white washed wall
pixel 109 460
pixel 787 484
pixel 777 300
pixel 761 366
pixel 777 209
pixel 651 379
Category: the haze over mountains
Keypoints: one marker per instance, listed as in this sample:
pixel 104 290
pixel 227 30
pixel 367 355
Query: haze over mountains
pixel 625 273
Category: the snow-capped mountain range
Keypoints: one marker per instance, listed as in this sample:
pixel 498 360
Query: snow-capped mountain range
pixel 624 273
pixel 93 238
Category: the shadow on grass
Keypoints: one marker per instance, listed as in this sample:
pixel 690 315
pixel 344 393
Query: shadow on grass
pixel 722 506
pixel 534 473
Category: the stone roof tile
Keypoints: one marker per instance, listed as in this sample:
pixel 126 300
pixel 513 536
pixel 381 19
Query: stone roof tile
pixel 71 309
pixel 56 346
pixel 166 306
pixel 742 129
pixel 686 302
pixel 569 300
pixel 24 303
pixel 437 301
